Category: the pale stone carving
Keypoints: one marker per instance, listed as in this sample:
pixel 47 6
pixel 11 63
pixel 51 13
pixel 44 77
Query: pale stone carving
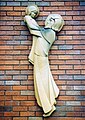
pixel 45 88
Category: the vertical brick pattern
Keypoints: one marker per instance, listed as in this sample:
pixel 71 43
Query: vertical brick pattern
pixel 67 61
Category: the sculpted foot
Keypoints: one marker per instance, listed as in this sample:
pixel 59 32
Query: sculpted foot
pixel 49 113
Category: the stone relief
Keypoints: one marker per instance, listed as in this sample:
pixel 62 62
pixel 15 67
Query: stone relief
pixel 46 90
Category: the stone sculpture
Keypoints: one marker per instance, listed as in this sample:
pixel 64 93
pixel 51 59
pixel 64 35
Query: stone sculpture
pixel 45 88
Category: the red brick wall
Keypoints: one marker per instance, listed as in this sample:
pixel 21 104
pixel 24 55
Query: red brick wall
pixel 67 61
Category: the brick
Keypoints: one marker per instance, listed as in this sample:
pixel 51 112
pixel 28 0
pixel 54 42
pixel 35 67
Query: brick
pixel 73 103
pixel 19 77
pixel 83 93
pixel 64 37
pixel 72 62
pixel 18 18
pixel 77 22
pixel 5 8
pixel 65 77
pixel 57 52
pixel 5 87
pixel 6 27
pixel 26 82
pixel 72 72
pixel 6 37
pixel 19 8
pixel 82 32
pixel 12 93
pixel 72 13
pixel 65 67
pixel 79 47
pixel 13 3
pixel 11 114
pixel 2 103
pixel 35 118
pixel 79 57
pixel 73 93
pixel 57 3
pixel 12 62
pixel 13 23
pixel 79 77
pixel 20 98
pixel 82 3
pixel 67 28
pixel 20 37
pixel 11 82
pixel 27 3
pixel 73 43
pixel 65 8
pixel 65 57
pixel 21 47
pixel 20 118
pixel 71 3
pixel 27 113
pixel 8 57
pixel 82 61
pixel 66 98
pixel 20 28
pixel 2 52
pixel 34 108
pixel 58 72
pixel 73 32
pixel 73 52
pixel 78 18
pixel 24 62
pixel 3 77
pixel 2 13
pixel 25 72
pixel 13 72
pixel 1 72
pixel 65 47
pixel 28 103
pixel 79 87
pixel 25 52
pixel 83 72
pixel 82 12
pixel 27 92
pixel 1 92
pixel 78 28
pixel 13 103
pixel 6 67
pixel 50 8
pixel 14 13
pixel 43 3
pixel 19 87
pixel 8 97
pixel 13 52
pixel 6 18
pixel 20 108
pixel 73 114
pixel 2 33
pixel 2 3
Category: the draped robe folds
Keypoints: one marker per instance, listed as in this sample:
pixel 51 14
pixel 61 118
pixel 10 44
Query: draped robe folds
pixel 45 88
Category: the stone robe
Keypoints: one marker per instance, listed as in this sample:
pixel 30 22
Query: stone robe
pixel 45 88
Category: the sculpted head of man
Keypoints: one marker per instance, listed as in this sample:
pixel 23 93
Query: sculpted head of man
pixel 32 10
pixel 55 22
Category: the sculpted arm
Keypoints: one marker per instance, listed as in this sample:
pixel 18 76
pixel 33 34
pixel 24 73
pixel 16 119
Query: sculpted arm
pixel 34 28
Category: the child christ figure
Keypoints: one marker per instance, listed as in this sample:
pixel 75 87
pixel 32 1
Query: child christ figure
pixel 46 91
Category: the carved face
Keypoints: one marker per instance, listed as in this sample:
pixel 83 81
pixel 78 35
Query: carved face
pixel 33 11
pixel 54 21
pixel 49 22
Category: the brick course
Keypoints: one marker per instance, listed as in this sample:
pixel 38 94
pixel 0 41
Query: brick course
pixel 66 57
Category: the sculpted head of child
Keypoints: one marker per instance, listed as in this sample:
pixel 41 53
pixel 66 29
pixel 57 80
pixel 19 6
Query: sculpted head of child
pixel 32 11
